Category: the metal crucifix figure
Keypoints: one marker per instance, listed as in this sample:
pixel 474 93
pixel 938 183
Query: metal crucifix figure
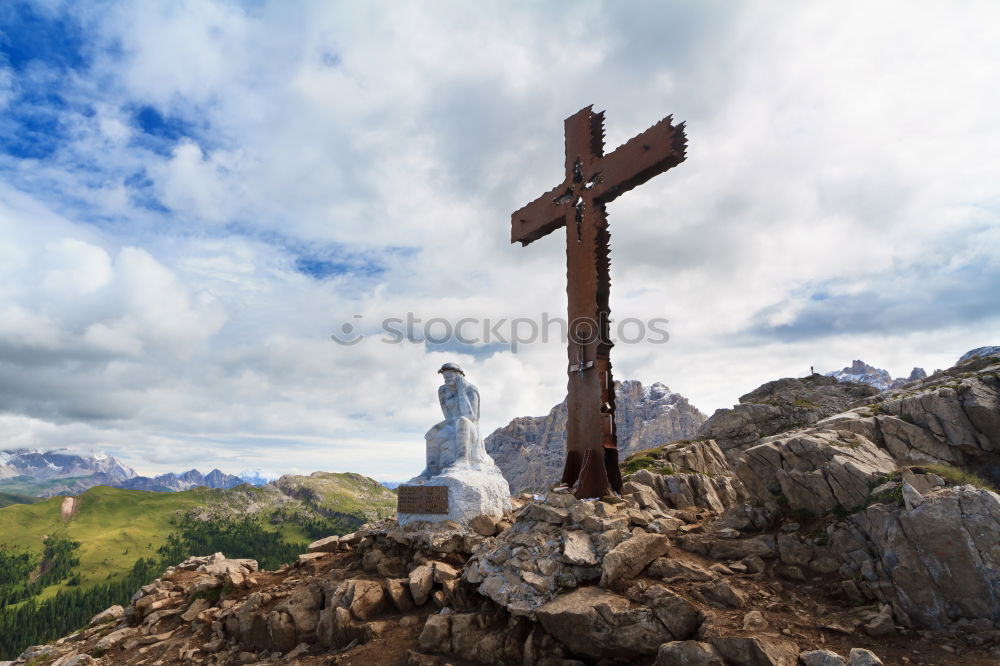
pixel 592 180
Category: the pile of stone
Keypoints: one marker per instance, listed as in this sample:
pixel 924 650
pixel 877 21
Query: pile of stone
pixel 559 542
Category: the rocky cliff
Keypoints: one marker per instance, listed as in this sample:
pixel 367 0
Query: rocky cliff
pixel 779 406
pixel 530 449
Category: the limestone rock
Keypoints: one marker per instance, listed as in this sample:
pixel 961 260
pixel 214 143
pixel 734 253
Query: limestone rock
pixel 862 657
pixel 484 525
pixel 594 622
pixel 671 570
pixel 682 491
pixel 678 615
pixel 368 599
pixel 436 635
pixel 882 624
pixel 779 406
pixel 934 564
pixel 757 651
pixel 112 613
pixel 577 548
pixel 79 660
pixel 754 621
pixel 688 653
pixel 791 550
pixel 115 637
pixel 821 658
pixel 330 544
pixel 723 593
pixel 815 470
pixel 631 556
pixel 530 450
pixel 398 590
pixel 421 580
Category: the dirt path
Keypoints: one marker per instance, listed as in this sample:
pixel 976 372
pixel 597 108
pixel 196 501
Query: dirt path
pixel 68 508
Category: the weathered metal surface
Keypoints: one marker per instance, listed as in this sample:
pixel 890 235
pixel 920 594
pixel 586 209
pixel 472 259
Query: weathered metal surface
pixel 422 499
pixel 592 180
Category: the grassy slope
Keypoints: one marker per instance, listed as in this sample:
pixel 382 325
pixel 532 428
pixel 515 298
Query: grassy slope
pixel 115 527
pixel 6 499
pixel 23 485
pixel 341 492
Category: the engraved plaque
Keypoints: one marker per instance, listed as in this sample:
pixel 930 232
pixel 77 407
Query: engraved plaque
pixel 422 499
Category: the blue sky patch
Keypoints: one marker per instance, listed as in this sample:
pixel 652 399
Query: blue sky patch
pixel 28 36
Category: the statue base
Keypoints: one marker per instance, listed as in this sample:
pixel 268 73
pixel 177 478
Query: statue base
pixel 471 492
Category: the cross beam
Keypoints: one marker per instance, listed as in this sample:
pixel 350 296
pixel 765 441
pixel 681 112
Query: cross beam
pixel 592 180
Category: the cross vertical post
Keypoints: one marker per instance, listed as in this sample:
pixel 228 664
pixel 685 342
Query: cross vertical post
pixel 592 180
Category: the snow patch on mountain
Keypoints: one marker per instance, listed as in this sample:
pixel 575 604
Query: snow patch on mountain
pixel 979 351
pixel 860 372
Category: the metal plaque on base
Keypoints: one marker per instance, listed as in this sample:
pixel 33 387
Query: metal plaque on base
pixel 422 499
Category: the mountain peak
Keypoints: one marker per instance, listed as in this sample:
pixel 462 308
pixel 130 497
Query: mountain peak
pixel 860 372
pixel 646 416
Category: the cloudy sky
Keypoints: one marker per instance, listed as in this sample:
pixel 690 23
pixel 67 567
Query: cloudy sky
pixel 195 195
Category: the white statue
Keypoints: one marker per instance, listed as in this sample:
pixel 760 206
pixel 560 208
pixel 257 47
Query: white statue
pixel 457 458
pixel 455 443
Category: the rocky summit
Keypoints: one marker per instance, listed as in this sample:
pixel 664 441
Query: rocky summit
pixel 780 406
pixel 860 372
pixel 530 449
pixel 869 536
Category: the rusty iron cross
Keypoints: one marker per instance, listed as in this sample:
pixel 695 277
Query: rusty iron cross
pixel 592 180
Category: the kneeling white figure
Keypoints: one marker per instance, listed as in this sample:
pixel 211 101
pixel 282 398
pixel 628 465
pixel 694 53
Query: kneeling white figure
pixel 457 458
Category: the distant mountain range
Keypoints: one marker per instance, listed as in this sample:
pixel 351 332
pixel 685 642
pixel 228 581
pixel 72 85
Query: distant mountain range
pixel 31 472
pixel 860 372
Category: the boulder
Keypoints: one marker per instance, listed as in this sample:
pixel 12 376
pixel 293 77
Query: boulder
pixel 398 590
pixel 112 613
pixel 671 570
pixel 436 634
pixel 631 556
pixel 706 482
pixel 330 544
pixel 421 580
pixel 688 653
pixel 751 651
pixel 881 624
pixel 862 657
pixel 754 621
pixel 593 622
pixel 934 564
pixel 577 549
pixel 738 549
pixel 721 592
pixel 791 550
pixel 115 637
pixel 484 525
pixel 821 658
pixel 681 618
pixel 816 470
pixel 368 599
pixel 78 660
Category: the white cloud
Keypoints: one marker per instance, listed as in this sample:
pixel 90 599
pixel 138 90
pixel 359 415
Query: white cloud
pixel 153 301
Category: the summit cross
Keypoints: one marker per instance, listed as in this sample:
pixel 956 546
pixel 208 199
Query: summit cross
pixel 593 179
